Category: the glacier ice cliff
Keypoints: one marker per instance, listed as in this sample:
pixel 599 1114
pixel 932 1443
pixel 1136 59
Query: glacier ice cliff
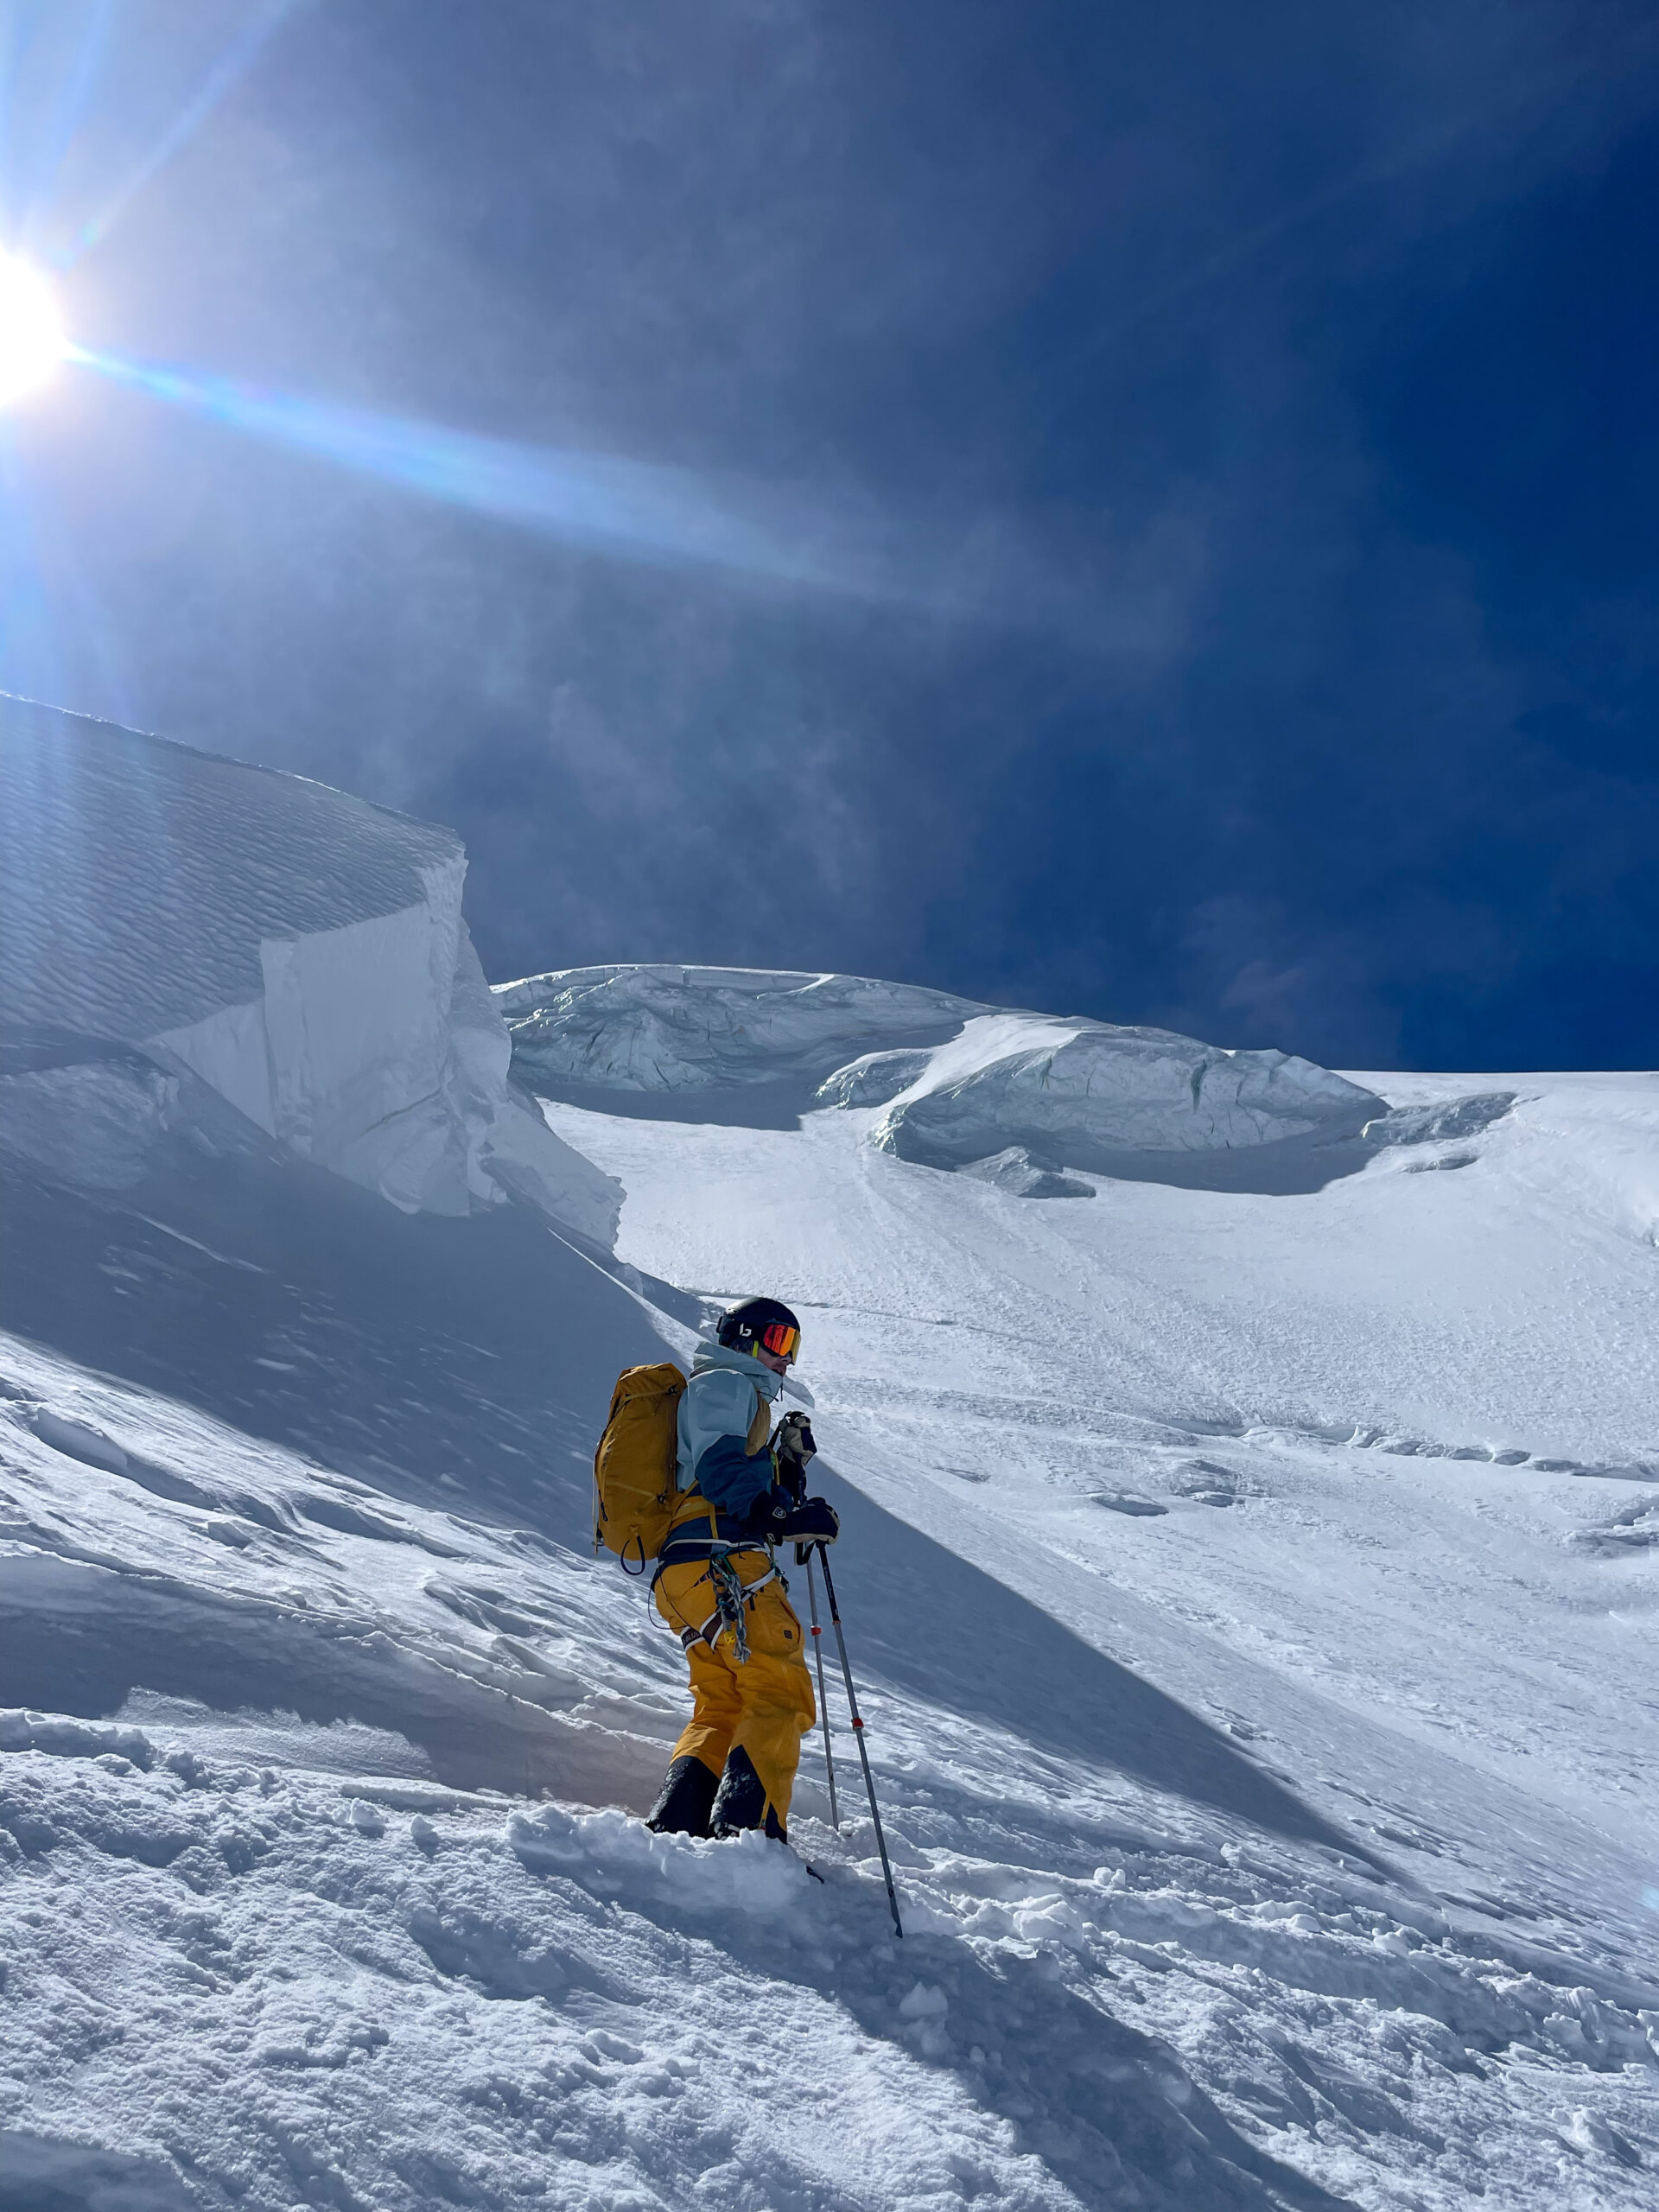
pixel 170 918
pixel 1091 1092
pixel 1015 1096
pixel 647 1026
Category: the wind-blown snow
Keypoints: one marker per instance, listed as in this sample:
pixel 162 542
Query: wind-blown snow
pixel 301 952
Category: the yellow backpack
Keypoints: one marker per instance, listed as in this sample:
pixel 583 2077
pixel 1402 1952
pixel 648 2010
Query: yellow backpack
pixel 635 1484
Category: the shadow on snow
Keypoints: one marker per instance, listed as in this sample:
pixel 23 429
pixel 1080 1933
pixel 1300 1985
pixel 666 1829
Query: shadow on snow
pixel 466 1365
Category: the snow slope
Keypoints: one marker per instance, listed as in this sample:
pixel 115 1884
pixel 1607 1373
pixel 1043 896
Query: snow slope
pixel 300 952
pixel 1365 1476
pixel 283 1925
pixel 1265 1784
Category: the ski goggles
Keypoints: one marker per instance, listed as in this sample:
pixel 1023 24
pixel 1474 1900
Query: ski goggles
pixel 780 1340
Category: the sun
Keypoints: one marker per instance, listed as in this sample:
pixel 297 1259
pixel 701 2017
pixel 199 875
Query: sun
pixel 32 342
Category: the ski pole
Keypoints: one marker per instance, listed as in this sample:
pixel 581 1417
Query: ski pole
pixel 823 1701
pixel 858 1735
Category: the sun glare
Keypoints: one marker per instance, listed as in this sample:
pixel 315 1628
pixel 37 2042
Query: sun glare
pixel 31 337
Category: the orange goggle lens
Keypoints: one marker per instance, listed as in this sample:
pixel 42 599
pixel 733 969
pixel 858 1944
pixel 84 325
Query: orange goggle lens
pixel 780 1340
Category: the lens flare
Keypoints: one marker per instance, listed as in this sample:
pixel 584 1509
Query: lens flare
pixel 649 512
pixel 31 337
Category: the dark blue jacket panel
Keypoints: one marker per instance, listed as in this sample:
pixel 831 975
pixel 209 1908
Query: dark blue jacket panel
pixel 729 1479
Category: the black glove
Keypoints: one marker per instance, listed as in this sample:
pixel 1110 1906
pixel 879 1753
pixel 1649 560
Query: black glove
pixel 814 1521
pixel 781 1519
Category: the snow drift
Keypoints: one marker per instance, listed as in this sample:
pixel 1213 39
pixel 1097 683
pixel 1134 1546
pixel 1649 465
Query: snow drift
pixel 964 1084
pixel 167 915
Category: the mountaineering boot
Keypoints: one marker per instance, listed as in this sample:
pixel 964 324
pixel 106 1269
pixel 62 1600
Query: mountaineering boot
pixel 741 1800
pixel 688 1792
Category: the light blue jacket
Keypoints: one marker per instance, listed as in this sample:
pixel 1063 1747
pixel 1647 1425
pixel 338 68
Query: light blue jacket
pixel 718 1406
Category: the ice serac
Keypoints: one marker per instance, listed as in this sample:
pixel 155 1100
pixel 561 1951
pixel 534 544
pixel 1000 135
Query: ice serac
pixel 1090 1094
pixel 962 1083
pixel 1026 1175
pixel 659 1028
pixel 300 952
pixel 873 1079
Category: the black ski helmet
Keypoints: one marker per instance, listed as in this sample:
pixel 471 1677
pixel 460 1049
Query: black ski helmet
pixel 743 1328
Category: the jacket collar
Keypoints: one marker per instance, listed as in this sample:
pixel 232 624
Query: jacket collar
pixel 711 1355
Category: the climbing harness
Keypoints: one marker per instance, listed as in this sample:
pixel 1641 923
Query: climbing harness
pixel 729 1602
pixel 732 1597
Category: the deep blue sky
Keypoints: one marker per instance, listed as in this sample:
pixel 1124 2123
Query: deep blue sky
pixel 1238 426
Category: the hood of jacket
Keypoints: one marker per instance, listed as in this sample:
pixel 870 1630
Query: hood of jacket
pixel 708 1356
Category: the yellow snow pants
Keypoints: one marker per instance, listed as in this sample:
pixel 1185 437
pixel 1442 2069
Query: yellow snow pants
pixel 765 1702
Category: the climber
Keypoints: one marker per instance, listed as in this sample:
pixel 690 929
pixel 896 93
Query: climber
pixel 742 1490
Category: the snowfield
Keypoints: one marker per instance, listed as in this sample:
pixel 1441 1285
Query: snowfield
pixel 1251 1574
